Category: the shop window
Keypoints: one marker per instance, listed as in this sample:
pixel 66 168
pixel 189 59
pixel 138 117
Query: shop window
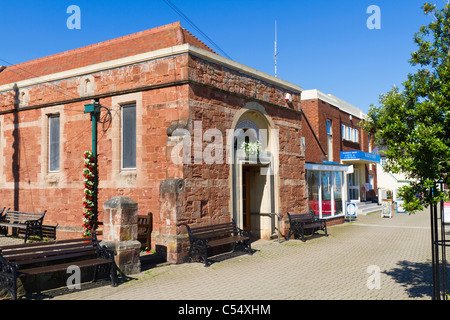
pixel 326 186
pixel 325 192
pixel 313 191
pixel 338 200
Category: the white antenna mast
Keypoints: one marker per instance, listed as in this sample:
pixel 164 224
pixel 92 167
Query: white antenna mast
pixel 276 53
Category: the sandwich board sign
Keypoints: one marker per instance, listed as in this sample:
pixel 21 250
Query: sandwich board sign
pixel 351 210
pixel 386 209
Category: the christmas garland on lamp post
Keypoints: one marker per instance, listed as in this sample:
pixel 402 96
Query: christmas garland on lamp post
pixel 89 214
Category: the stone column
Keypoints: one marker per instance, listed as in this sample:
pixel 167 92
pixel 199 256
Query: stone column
pixel 120 233
pixel 170 242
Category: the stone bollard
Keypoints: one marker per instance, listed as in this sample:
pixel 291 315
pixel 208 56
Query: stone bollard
pixel 120 233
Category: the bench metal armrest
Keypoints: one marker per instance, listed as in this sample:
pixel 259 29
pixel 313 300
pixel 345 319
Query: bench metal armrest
pixel 31 223
pixel 199 241
pixel 193 239
pixel 241 232
pixel 8 270
pixel 321 220
pixel 103 251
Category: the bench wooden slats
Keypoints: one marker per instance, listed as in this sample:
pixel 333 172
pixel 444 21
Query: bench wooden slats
pixel 44 245
pixel 213 231
pixel 223 241
pixel 203 237
pixel 145 226
pixel 60 267
pixel 33 258
pixel 300 222
pixel 38 244
pixel 47 257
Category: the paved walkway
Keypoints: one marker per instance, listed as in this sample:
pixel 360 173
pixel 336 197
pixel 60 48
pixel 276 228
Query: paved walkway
pixel 344 266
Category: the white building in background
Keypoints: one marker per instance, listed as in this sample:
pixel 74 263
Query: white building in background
pixel 389 182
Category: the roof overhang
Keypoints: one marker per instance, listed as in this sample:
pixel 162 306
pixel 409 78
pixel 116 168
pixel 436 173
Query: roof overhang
pixel 315 166
pixel 149 56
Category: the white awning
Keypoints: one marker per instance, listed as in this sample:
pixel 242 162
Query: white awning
pixel 328 167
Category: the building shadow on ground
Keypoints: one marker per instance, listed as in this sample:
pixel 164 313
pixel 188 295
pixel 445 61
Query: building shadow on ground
pixel 56 285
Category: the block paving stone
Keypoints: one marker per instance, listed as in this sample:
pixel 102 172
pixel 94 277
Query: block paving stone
pixel 322 268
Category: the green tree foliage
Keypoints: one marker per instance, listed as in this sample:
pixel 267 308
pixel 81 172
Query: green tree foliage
pixel 414 124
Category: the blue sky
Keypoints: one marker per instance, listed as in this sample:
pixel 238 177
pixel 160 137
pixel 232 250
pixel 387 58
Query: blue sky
pixel 322 44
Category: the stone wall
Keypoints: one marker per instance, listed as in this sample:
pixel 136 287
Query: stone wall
pixel 172 91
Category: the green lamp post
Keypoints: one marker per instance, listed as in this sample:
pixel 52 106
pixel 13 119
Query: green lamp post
pixel 94 110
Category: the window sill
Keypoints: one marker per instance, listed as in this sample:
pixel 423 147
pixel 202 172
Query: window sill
pixel 126 178
pixel 52 178
pixel 335 216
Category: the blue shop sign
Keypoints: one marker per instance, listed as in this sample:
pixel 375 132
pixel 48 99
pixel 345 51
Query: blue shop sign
pixel 360 155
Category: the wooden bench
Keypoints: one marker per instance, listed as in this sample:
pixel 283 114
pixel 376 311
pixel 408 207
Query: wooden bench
pixel 203 238
pixel 298 223
pixel 48 232
pixel 49 257
pixel 30 221
pixel 145 226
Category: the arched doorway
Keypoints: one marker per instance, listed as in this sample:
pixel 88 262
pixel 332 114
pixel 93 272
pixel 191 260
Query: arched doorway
pixel 254 171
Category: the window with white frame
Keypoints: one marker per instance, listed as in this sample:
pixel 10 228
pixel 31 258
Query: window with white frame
pixel 350 134
pixel 325 192
pixel 355 135
pixel 53 143
pixel 129 136
pixel 329 140
pixel 329 130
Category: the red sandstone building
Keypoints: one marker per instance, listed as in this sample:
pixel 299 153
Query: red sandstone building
pixel 162 87
pixel 340 167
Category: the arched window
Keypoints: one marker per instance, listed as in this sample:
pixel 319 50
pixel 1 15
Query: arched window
pixel 87 86
pixel 246 131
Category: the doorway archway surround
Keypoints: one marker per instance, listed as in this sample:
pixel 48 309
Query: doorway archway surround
pixel 254 171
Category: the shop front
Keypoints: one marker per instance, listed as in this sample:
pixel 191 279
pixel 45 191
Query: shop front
pixel 360 181
pixel 326 188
